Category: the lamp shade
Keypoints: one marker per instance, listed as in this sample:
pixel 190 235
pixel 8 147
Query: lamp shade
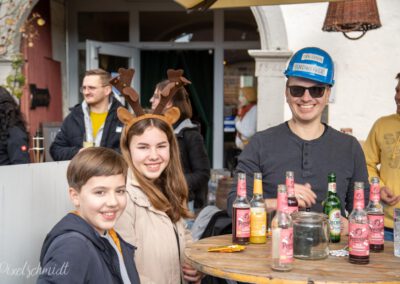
pixel 351 16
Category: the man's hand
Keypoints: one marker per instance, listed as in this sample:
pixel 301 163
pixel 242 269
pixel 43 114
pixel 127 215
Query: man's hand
pixel 304 194
pixel 191 275
pixel 388 197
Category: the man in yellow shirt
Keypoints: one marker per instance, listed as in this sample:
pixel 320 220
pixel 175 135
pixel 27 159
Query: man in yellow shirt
pixel 94 122
pixel 382 153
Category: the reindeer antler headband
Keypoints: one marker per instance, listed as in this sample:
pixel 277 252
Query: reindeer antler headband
pixel 122 83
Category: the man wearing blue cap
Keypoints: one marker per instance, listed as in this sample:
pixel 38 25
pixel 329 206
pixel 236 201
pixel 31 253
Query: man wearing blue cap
pixel 304 144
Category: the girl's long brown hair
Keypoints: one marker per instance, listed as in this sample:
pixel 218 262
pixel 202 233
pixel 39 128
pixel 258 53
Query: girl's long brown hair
pixel 169 192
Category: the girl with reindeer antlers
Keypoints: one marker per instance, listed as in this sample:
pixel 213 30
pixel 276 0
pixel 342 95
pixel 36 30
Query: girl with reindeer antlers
pixel 154 217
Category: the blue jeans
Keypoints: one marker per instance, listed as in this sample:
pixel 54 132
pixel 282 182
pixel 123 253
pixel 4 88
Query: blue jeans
pixel 389 234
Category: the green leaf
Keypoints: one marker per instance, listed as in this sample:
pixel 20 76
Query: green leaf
pixel 16 80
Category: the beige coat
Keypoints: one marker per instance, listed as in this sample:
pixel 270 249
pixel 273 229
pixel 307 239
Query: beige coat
pixel 152 232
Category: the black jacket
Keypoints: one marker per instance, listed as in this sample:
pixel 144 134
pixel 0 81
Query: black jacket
pixel 73 252
pixel 69 139
pixel 15 150
pixel 195 162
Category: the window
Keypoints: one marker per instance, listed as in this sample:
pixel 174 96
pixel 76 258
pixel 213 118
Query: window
pixel 103 26
pixel 240 25
pixel 176 26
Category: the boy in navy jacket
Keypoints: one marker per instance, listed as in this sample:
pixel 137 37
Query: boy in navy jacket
pixel 83 247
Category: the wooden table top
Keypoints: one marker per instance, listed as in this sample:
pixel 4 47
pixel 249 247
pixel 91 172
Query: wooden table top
pixel 254 265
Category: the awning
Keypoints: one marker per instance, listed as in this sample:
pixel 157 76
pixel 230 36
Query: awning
pixel 219 4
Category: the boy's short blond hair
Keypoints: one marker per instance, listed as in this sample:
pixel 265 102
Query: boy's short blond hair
pixel 94 162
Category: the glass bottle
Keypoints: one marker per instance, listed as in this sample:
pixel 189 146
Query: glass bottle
pixel 396 231
pixel 293 204
pixel 375 217
pixel 241 213
pixel 258 213
pixel 332 209
pixel 212 189
pixel 282 234
pixel 358 228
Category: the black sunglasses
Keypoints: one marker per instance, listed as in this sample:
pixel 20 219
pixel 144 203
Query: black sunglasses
pixel 315 91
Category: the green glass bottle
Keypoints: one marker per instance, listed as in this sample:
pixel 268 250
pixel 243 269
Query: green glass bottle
pixel 332 209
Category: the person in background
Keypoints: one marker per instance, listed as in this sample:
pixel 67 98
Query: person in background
pixel 153 220
pixel 194 158
pixel 304 144
pixel 83 247
pixel 246 119
pixel 382 152
pixel 14 140
pixel 94 122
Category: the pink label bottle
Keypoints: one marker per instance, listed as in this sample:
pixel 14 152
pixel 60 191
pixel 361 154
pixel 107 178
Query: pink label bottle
pixel 358 228
pixel 293 204
pixel 375 217
pixel 241 213
pixel 282 234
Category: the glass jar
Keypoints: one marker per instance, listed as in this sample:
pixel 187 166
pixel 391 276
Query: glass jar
pixel 310 235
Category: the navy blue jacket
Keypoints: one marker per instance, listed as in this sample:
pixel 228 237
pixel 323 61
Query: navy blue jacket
pixel 73 252
pixel 15 150
pixel 69 139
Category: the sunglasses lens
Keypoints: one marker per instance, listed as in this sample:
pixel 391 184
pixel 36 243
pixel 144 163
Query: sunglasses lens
pixel 297 91
pixel 317 92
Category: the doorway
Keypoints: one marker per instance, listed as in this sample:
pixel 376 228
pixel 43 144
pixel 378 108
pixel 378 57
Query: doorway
pixel 110 57
pixel 198 68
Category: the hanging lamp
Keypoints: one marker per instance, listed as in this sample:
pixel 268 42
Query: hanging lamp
pixel 352 16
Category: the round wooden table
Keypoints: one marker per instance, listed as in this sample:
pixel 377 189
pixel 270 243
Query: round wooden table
pixel 254 265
